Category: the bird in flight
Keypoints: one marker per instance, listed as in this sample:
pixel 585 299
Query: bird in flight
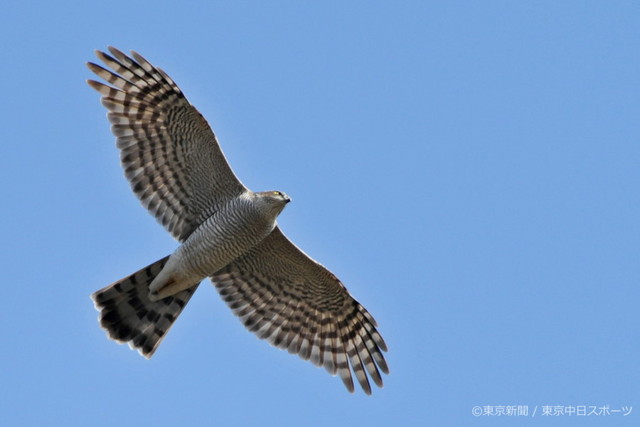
pixel 228 233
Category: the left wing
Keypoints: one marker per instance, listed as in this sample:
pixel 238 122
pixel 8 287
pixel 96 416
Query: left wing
pixel 287 298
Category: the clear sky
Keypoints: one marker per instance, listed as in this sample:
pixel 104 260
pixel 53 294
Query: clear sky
pixel 470 170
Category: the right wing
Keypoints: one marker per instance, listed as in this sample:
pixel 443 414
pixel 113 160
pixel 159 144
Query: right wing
pixel 170 155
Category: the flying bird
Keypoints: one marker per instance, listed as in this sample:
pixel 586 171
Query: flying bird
pixel 228 233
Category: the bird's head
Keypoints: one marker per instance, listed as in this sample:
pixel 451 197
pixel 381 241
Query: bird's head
pixel 275 201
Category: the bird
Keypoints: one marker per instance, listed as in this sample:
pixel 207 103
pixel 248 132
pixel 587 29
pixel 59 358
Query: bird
pixel 226 232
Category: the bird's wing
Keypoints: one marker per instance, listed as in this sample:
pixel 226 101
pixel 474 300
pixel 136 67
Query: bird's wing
pixel 282 295
pixel 170 155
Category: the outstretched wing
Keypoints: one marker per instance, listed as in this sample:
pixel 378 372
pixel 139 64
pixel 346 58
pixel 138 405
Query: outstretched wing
pixel 170 155
pixel 282 295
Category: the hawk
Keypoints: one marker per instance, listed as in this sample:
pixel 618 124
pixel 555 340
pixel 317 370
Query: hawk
pixel 228 233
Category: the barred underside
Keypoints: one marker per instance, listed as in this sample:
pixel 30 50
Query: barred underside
pixel 129 316
pixel 297 305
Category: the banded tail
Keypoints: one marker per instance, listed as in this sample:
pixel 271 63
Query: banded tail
pixel 128 314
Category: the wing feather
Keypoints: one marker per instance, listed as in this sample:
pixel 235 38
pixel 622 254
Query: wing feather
pixel 170 155
pixel 285 297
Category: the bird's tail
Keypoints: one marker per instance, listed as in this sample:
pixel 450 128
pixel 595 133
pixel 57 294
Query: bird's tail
pixel 128 315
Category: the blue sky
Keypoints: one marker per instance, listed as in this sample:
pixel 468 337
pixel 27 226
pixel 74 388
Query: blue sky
pixel 468 169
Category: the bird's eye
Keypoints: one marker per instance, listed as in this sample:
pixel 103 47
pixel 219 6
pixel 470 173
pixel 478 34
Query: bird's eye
pixel 277 193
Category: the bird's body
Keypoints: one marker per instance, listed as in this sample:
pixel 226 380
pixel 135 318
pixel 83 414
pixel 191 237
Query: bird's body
pixel 238 226
pixel 175 166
